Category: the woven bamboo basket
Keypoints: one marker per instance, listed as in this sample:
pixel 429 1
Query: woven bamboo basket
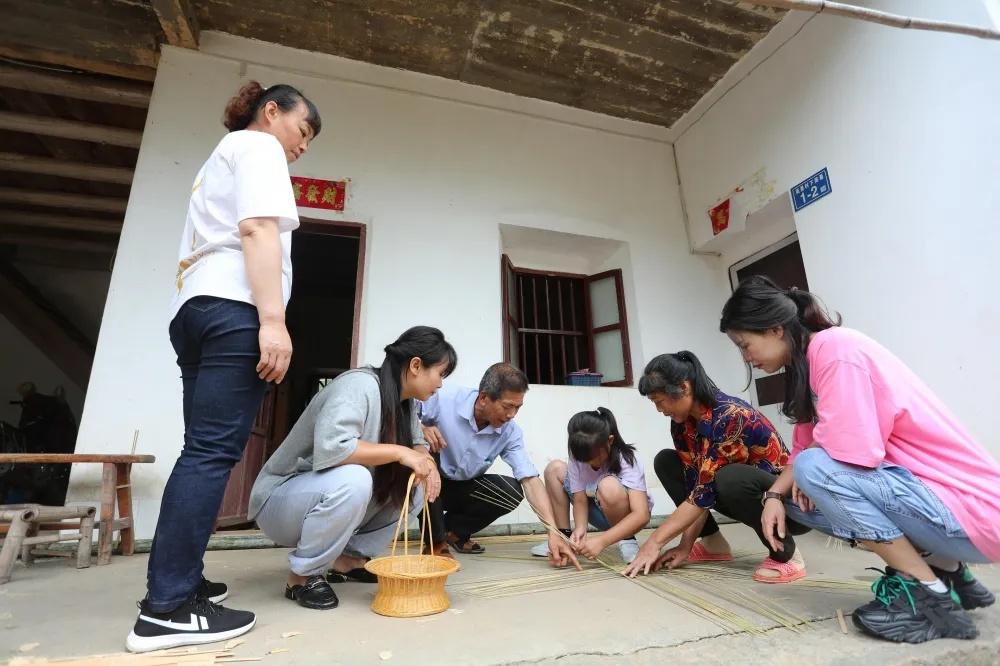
pixel 411 585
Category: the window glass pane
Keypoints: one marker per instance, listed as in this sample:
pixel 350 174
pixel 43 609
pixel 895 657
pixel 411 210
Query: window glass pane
pixel 610 360
pixel 603 302
pixel 515 346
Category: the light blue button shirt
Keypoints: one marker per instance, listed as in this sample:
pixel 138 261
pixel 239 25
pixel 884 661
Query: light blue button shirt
pixel 471 451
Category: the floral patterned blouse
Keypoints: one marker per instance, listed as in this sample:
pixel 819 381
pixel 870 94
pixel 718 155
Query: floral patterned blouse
pixel 730 432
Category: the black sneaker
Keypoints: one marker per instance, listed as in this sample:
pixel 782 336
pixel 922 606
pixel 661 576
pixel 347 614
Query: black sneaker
pixel 194 622
pixel 315 593
pixel 971 593
pixel 906 611
pixel 214 592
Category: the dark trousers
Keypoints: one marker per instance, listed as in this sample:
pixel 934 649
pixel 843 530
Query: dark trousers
pixel 217 351
pixel 739 489
pixel 457 511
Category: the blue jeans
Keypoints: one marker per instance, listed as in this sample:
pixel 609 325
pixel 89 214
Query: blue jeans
pixel 881 505
pixel 595 516
pixel 216 341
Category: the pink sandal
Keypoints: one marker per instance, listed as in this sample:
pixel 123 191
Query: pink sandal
pixel 701 554
pixel 787 572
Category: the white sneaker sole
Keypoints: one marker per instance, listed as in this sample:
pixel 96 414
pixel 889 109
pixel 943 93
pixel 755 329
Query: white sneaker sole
pixel 136 643
pixel 219 598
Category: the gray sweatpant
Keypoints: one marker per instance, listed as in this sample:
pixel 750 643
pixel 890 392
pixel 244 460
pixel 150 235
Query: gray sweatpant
pixel 327 513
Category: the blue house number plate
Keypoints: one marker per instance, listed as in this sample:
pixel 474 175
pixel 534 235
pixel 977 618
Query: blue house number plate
pixel 812 188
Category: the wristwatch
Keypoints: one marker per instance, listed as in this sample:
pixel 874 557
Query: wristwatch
pixel 769 495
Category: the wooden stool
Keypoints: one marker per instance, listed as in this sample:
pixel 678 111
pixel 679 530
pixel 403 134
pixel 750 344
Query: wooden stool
pixel 116 489
pixel 27 520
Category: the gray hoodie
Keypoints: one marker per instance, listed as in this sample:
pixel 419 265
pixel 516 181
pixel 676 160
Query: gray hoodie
pixel 348 409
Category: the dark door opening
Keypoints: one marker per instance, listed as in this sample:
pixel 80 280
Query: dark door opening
pixel 782 263
pixel 322 319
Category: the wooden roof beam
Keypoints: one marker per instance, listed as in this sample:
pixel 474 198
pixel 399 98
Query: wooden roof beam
pixel 88 202
pixel 61 258
pixel 47 221
pixel 29 239
pixel 70 129
pixel 95 173
pixel 77 86
pixel 136 72
pixel 178 22
pixel 42 323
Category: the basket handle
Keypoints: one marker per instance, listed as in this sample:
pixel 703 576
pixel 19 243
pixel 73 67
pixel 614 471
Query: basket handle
pixel 425 523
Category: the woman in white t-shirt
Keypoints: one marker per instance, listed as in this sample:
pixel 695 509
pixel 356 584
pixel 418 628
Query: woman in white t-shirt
pixel 234 278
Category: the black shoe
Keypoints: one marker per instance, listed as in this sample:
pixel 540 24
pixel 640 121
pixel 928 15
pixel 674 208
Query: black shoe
pixel 906 611
pixel 970 591
pixel 314 593
pixel 214 592
pixel 359 575
pixel 194 622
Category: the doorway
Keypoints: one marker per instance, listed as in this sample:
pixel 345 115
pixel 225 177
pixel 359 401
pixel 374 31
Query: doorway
pixel 323 320
pixel 782 262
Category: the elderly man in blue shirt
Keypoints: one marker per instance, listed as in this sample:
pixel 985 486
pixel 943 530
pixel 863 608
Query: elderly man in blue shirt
pixel 467 429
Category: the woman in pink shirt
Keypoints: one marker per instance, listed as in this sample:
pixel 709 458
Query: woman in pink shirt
pixel 877 459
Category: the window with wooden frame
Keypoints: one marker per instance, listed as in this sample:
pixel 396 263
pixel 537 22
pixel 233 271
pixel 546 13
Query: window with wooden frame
pixel 558 323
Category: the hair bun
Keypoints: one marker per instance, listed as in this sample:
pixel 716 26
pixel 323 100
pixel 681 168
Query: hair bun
pixel 240 109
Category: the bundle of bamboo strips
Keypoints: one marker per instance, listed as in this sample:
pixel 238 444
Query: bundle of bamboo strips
pixel 508 587
pixel 493 493
pixel 691 587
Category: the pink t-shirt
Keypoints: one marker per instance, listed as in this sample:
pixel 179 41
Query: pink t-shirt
pixel 872 408
pixel 581 477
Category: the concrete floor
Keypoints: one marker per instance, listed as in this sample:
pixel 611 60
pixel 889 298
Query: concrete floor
pixel 71 612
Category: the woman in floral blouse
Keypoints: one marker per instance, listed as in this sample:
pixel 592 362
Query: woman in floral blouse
pixel 726 455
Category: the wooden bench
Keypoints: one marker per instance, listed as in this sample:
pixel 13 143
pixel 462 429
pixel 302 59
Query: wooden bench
pixel 116 488
pixel 27 520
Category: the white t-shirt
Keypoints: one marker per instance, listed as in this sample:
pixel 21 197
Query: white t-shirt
pixel 246 176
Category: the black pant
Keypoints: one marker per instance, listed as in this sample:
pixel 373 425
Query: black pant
pixel 458 511
pixel 738 490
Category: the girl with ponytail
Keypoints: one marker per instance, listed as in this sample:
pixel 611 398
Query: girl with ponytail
pixel 877 459
pixel 725 455
pixel 227 326
pixel 606 483
pixel 334 488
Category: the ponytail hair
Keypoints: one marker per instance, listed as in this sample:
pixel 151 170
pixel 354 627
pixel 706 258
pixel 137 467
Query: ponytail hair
pixel 667 373
pixel 242 109
pixel 759 305
pixel 427 344
pixel 588 431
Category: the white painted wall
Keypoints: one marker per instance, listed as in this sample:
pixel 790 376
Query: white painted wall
pixel 435 168
pixel 906 245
